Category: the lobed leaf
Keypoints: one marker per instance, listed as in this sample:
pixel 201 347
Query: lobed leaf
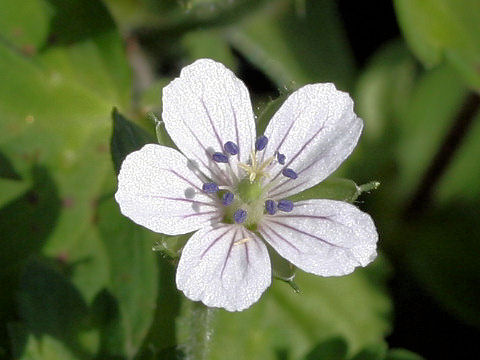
pixel 444 29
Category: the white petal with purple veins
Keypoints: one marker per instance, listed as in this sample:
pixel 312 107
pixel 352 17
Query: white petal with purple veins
pixel 203 109
pixel 156 189
pixel 323 237
pixel 224 266
pixel 316 129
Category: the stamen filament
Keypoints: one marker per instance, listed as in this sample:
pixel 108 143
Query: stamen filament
pixel 242 241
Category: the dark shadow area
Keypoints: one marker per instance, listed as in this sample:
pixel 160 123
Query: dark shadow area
pixel 422 326
pixel 105 316
pixel 74 21
pixel 255 80
pixel 49 304
pixel 162 329
pixel 334 348
pixel 25 224
pixel 369 25
pixel 6 169
pixel 163 324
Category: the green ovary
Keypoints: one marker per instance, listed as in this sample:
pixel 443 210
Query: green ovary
pixel 249 192
pixel 248 196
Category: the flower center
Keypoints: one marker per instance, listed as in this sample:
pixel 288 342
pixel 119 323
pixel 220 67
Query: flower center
pixel 249 192
pixel 247 202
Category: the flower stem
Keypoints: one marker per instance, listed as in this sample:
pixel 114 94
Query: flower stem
pixel 199 321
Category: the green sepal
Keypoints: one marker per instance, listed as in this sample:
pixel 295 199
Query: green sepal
pixel 282 269
pixel 336 189
pixel 171 246
pixel 126 138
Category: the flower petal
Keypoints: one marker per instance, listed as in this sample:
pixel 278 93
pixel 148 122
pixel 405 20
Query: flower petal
pixel 316 129
pixel 324 237
pixel 156 189
pixel 220 267
pixel 203 109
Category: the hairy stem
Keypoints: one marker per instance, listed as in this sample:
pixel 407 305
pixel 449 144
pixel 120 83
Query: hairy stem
pixel 199 320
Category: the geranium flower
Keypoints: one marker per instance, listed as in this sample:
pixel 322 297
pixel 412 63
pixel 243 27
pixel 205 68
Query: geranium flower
pixel 232 188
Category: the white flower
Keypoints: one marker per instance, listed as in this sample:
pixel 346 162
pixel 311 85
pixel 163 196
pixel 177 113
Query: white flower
pixel 231 188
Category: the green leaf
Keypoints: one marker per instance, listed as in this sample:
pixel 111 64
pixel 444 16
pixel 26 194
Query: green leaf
pixel 87 49
pixel 133 272
pixel 29 219
pixel 352 307
pixel 442 256
pixel 383 89
pixel 332 349
pixel 86 257
pixel 24 27
pixel 18 336
pixel 431 110
pixel 55 114
pixel 49 304
pixel 106 317
pixel 161 342
pixel 173 17
pixel 209 44
pixel 126 138
pixel 402 354
pixel 372 352
pixel 11 189
pixel 151 98
pixel 444 29
pixel 382 93
pixel 25 225
pixel 47 348
pixel 267 111
pixel 459 182
pixel 295 49
pixel 7 169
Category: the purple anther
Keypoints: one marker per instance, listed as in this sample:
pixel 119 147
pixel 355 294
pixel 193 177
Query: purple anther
pixel 210 188
pixel 281 158
pixel 227 198
pixel 220 157
pixel 231 148
pixel 285 205
pixel 271 207
pixel 290 173
pixel 261 142
pixel 240 216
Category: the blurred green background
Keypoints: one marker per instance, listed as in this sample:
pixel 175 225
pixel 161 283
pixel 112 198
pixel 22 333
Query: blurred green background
pixel 80 281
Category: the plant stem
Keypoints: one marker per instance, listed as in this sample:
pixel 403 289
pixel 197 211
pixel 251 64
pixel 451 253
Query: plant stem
pixel 442 159
pixel 200 327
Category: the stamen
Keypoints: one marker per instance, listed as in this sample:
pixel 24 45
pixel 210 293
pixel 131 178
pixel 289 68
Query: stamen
pixel 231 148
pixel 227 198
pixel 220 158
pixel 253 157
pixel 240 216
pixel 210 188
pixel 261 143
pixel 271 207
pixel 244 167
pixel 290 173
pixel 265 164
pixel 281 158
pixel 242 241
pixel 285 205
